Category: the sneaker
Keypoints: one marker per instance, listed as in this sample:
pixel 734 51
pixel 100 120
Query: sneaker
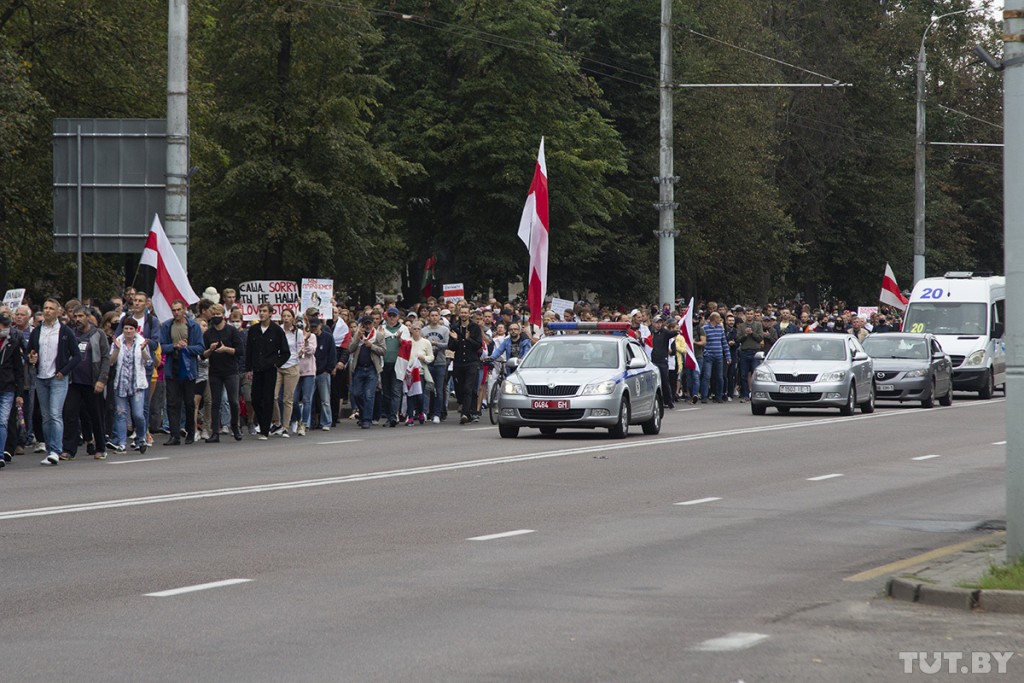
pixel 253 430
pixel 421 418
pixel 102 455
pixel 119 450
pixel 274 429
pixel 143 447
pixel 325 428
pixel 284 434
pixel 436 420
pixel 693 400
pixel 19 451
pixel 40 448
pixel 225 430
pixel 301 431
pixel 51 459
pixel 7 458
pixel 408 421
pixel 204 434
pixel 295 427
pixel 262 437
pixel 67 456
pixel 476 418
pixel 464 420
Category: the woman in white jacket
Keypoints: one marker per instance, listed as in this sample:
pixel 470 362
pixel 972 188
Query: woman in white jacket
pixel 129 356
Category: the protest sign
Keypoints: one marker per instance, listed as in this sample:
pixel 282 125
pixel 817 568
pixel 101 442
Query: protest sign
pixel 559 306
pixel 280 294
pixel 317 293
pixel 13 298
pixel 866 311
pixel 453 292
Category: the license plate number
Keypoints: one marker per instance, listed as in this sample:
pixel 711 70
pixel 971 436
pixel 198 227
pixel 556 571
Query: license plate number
pixel 551 405
pixel 886 387
pixel 795 389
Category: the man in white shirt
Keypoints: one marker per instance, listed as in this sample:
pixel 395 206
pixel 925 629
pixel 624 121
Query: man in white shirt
pixel 53 350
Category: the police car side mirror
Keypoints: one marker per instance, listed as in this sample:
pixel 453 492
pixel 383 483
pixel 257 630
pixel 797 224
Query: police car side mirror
pixel 759 355
pixel 512 364
pixel 637 363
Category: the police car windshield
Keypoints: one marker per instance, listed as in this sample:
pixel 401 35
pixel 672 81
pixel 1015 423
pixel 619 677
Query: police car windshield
pixel 574 352
pixel 946 317
pixel 808 347
pixel 892 346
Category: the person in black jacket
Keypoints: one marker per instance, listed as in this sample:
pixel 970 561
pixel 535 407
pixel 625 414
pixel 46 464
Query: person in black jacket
pixel 53 350
pixel 466 340
pixel 326 363
pixel 10 379
pixel 266 349
pixel 660 338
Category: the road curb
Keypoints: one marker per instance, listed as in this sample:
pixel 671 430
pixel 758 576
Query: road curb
pixel 1002 601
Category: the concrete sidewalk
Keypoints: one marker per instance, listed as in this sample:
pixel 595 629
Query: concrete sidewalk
pixel 939 578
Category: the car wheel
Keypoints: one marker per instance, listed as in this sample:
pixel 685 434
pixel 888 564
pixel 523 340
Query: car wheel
pixel 930 401
pixel 868 406
pixel 758 410
pixel 851 401
pixel 947 400
pixel 653 426
pixel 621 428
pixel 508 432
pixel 548 431
pixel 783 410
pixel 988 389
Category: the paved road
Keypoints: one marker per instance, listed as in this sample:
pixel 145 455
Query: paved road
pixel 716 551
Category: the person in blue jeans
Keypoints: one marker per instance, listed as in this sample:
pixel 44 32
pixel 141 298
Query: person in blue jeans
pixel 716 357
pixel 53 350
pixel 366 362
pixel 10 377
pixel 129 358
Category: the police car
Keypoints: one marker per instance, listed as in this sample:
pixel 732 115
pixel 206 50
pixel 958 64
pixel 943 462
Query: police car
pixel 593 376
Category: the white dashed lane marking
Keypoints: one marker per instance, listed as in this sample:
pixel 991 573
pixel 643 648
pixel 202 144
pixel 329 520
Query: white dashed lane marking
pixel 824 477
pixel 504 534
pixel 732 642
pixel 698 501
pixel 198 587
pixel 926 457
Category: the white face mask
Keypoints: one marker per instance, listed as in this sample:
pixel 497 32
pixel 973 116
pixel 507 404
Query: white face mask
pixel 237 324
pixel 5 333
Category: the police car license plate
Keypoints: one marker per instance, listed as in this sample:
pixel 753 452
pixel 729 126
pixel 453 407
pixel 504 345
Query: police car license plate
pixel 885 387
pixel 795 389
pixel 551 405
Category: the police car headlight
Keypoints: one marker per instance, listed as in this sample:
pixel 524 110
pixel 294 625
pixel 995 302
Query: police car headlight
pixel 917 373
pixel 599 388
pixel 764 375
pixel 837 376
pixel 510 387
pixel 976 358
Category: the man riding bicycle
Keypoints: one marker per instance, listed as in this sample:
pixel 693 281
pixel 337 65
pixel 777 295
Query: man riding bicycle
pixel 515 345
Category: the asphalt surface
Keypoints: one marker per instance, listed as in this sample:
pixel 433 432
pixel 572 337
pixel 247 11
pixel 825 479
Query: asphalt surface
pixel 359 565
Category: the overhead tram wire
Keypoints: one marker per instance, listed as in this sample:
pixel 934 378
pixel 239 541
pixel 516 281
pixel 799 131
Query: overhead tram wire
pixel 492 39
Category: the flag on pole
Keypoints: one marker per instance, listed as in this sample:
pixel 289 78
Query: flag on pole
pixel 427 285
pixel 533 231
pixel 171 280
pixel 891 292
pixel 686 330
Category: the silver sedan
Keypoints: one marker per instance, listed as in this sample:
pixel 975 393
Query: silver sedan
pixel 814 370
pixel 910 367
pixel 582 381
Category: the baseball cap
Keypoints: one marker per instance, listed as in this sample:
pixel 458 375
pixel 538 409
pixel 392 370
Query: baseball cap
pixel 392 311
pixel 445 311
pixel 412 314
pixel 364 319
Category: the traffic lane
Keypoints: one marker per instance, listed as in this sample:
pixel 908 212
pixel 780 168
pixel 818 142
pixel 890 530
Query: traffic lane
pixel 627 534
pixel 202 467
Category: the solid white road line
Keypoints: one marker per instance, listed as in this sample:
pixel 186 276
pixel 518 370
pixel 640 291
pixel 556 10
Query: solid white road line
pixel 998 443
pixel 698 501
pixel 731 642
pixel 824 477
pixel 465 464
pixel 331 443
pixel 479 429
pixel 926 457
pixel 199 587
pixel 506 534
pixel 128 462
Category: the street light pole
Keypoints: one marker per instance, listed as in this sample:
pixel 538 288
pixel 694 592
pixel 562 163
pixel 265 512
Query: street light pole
pixel 920 146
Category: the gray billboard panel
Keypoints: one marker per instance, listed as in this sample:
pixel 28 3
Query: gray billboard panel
pixel 120 188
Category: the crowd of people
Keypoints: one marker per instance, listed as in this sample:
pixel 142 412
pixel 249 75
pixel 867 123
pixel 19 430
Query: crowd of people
pixel 110 377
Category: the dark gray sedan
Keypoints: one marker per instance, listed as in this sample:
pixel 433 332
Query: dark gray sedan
pixel 910 367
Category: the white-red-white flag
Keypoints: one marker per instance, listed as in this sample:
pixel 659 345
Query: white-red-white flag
pixel 686 330
pixel 409 369
pixel 171 280
pixel 533 231
pixel 891 292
